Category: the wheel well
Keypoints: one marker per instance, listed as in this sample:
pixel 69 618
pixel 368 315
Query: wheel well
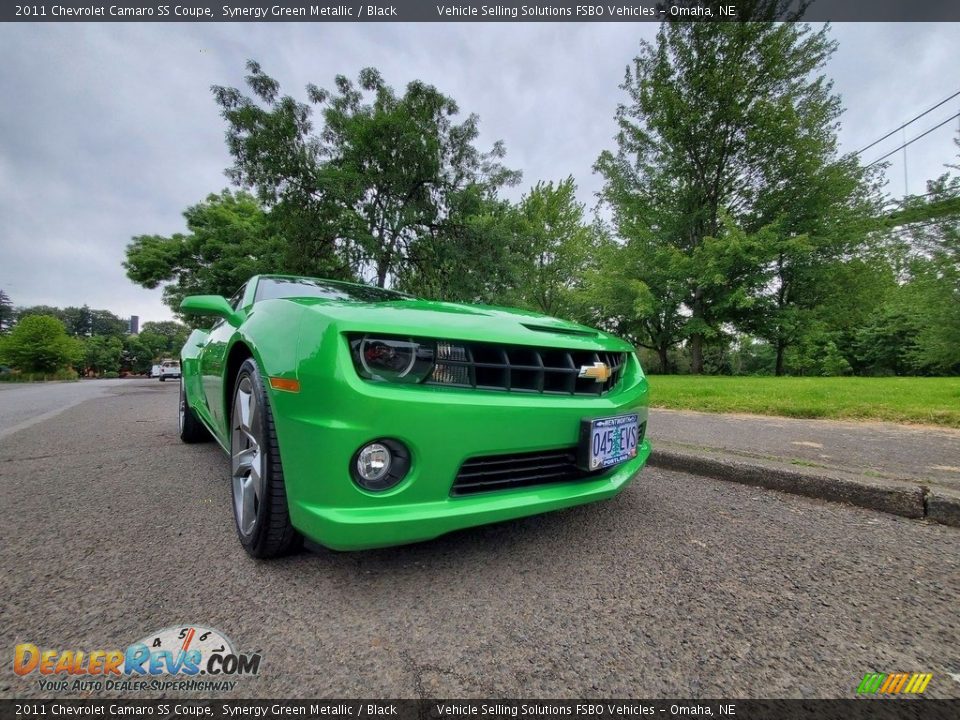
pixel 238 353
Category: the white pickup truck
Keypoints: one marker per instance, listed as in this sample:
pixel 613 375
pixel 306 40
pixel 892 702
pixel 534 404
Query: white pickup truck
pixel 169 369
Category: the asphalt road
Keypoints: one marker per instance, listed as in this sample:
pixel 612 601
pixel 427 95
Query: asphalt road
pixel 681 587
pixel 23 405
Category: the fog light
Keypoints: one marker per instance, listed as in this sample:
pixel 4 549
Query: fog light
pixel 379 465
pixel 373 462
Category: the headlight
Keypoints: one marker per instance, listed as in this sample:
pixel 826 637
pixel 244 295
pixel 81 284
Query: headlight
pixel 394 359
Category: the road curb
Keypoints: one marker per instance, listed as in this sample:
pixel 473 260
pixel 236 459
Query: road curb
pixel 898 497
pixel 943 505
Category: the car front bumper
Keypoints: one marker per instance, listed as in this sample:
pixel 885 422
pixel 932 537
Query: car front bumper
pixel 321 427
pixel 359 528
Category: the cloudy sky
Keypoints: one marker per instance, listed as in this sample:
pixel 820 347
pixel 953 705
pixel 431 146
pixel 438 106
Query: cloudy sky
pixel 109 131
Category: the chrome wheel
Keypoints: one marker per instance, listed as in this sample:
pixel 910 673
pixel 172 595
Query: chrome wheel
pixel 182 407
pixel 246 456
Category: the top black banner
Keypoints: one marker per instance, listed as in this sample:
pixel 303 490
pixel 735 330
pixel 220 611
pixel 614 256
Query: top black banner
pixel 480 11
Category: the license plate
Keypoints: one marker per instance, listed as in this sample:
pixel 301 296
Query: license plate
pixel 606 442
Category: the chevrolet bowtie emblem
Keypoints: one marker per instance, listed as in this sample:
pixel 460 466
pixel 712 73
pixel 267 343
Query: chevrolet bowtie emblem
pixel 599 371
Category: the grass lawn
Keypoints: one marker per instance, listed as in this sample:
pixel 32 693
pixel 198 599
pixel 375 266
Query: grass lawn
pixel 933 401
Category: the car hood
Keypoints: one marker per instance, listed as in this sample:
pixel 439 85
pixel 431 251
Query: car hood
pixel 455 321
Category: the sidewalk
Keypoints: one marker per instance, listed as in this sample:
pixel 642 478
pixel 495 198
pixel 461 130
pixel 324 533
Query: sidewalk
pixel 905 469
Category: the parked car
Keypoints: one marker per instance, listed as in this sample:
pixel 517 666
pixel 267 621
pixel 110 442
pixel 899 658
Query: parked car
pixel 169 369
pixel 361 417
pixel 155 371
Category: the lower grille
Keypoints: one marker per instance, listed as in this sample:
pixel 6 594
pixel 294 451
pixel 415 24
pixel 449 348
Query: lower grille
pixel 501 472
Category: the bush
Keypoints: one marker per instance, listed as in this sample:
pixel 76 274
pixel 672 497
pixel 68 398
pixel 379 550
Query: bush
pixel 102 354
pixel 66 374
pixel 834 363
pixel 110 375
pixel 39 344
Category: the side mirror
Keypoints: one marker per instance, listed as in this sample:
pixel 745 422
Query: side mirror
pixel 211 305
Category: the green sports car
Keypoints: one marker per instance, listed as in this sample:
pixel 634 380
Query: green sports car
pixel 360 417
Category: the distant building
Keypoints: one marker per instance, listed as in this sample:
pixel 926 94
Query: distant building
pixel 134 325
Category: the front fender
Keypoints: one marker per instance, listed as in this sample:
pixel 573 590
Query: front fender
pixel 272 332
pixel 190 369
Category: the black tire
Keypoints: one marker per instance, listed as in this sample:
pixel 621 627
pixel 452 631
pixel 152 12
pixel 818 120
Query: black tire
pixel 162 378
pixel 270 533
pixel 191 429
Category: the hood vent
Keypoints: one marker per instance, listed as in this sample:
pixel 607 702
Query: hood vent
pixel 559 330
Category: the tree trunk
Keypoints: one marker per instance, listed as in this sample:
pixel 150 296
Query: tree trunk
pixel 696 340
pixel 664 360
pixel 696 354
pixel 781 304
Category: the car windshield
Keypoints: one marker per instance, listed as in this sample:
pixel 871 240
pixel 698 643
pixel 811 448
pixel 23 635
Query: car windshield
pixel 270 288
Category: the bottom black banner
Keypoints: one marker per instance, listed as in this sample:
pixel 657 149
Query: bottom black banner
pixel 894 709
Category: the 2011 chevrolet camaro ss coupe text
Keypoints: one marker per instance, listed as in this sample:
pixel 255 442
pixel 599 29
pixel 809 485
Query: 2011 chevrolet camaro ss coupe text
pixel 360 417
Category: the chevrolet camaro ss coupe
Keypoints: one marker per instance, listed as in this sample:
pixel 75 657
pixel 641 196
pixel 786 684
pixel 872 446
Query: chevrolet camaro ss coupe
pixel 360 417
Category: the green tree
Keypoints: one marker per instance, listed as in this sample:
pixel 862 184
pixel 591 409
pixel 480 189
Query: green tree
pixel 47 310
pixel 475 254
pixel 172 335
pixel 78 320
pixel 888 340
pixel 7 313
pixel 102 353
pixel 557 244
pixel 934 271
pixel 382 174
pixel 817 211
pixel 104 322
pixel 937 299
pixel 139 352
pixel 81 321
pixel 160 347
pixel 39 343
pixel 724 125
pixel 644 311
pixel 229 239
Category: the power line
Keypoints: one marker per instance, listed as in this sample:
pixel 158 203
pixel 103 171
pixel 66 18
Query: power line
pixel 910 142
pixel 908 122
pixel 920 224
pixel 893 201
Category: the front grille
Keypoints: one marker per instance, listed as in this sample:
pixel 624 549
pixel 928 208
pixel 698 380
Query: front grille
pixel 518 368
pixel 501 472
